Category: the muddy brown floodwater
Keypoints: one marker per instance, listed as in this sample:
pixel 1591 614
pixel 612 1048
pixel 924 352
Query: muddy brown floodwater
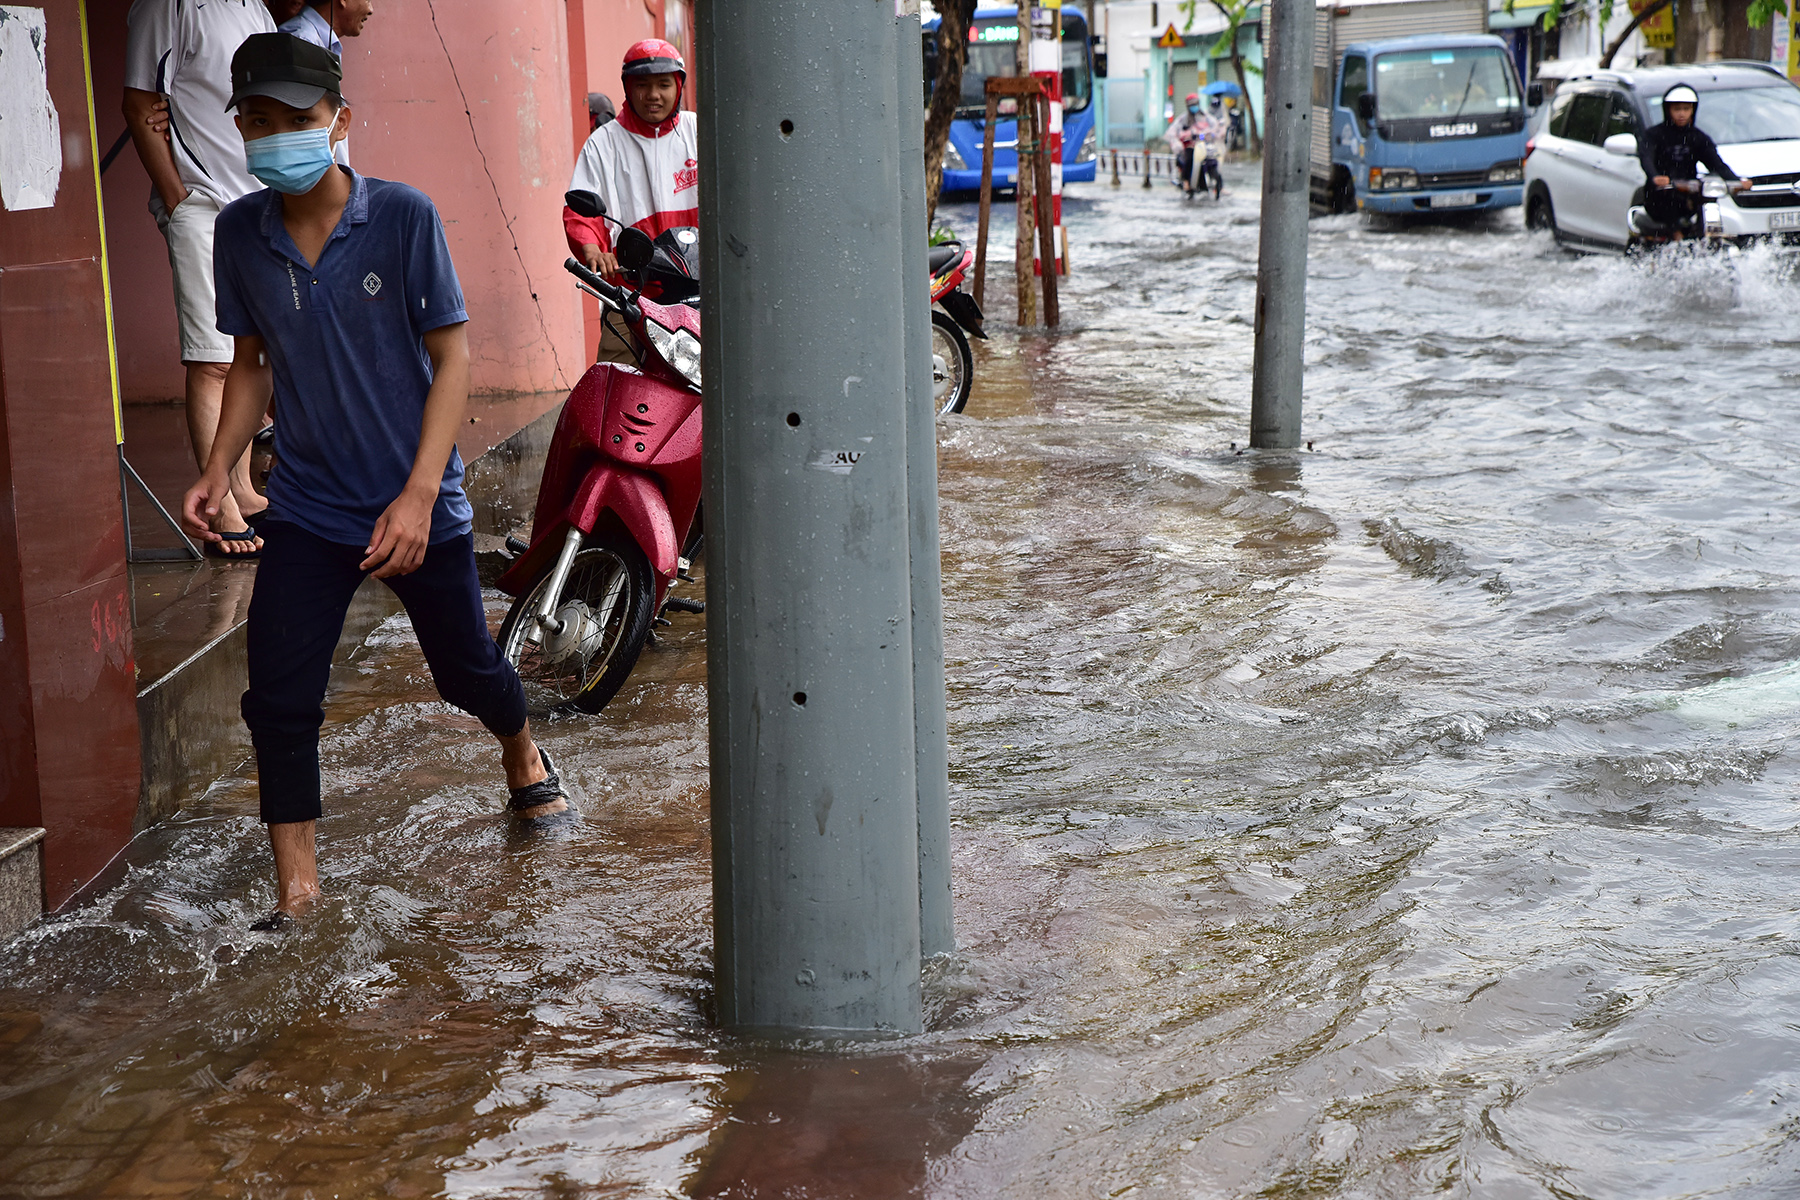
pixel 1412 816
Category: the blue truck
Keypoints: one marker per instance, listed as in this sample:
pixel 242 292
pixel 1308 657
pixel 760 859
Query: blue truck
pixel 1416 110
pixel 993 46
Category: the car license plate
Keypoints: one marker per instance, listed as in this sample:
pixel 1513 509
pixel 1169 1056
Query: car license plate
pixel 1785 220
pixel 1453 199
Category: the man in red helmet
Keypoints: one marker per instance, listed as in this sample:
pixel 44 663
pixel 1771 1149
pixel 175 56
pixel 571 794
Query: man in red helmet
pixel 645 164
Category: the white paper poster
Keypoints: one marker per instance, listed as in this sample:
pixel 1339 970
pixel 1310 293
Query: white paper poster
pixel 30 136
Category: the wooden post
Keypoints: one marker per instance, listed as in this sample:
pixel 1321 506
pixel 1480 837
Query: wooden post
pixel 1115 178
pixel 987 194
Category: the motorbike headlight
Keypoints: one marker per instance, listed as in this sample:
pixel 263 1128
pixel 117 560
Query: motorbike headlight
pixel 679 348
pixel 1090 147
pixel 1511 172
pixel 953 160
pixel 1713 188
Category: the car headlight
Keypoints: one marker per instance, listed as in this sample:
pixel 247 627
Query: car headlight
pixel 1090 147
pixel 1393 179
pixel 953 161
pixel 679 348
pixel 1508 172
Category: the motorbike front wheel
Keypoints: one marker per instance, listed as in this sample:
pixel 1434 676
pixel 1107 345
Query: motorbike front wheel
pixel 952 365
pixel 602 619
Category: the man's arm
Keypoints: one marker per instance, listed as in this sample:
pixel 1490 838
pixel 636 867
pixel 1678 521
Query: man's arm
pixel 401 536
pixel 147 118
pixel 1709 154
pixel 590 242
pixel 1647 147
pixel 248 386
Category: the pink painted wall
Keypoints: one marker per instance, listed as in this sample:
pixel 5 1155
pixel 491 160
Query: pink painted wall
pixel 465 100
pixel 497 171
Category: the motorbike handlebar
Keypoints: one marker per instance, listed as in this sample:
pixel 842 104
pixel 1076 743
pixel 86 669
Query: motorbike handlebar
pixel 614 295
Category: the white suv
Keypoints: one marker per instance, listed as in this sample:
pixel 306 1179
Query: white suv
pixel 1581 178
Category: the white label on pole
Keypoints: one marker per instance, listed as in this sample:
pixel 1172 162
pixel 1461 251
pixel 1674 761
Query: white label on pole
pixel 837 462
pixel 1055 118
pixel 31 158
pixel 1045 55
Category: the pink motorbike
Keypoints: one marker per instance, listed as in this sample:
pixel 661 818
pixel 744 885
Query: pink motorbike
pixel 621 487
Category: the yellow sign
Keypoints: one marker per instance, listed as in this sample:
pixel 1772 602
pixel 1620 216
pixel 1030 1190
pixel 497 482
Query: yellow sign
pixel 1658 29
pixel 1793 53
pixel 1170 38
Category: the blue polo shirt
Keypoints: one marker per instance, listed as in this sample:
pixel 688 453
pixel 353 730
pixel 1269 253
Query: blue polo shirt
pixel 345 342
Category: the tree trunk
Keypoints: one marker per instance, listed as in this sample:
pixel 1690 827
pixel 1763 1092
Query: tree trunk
pixel 1237 64
pixel 946 94
pixel 1650 10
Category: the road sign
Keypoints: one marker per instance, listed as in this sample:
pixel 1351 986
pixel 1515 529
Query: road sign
pixel 1169 38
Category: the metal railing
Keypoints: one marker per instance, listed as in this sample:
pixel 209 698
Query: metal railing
pixel 1142 164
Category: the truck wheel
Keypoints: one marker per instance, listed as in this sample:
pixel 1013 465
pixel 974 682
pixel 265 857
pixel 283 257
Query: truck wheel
pixel 1343 192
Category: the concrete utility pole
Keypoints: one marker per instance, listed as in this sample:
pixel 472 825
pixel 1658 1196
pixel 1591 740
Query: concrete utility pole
pixel 937 934
pixel 807 277
pixel 1281 252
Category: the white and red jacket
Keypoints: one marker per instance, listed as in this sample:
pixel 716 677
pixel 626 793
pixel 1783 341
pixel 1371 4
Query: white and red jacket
pixel 648 175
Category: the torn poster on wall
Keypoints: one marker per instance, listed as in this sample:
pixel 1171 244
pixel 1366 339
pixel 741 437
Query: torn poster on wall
pixel 30 135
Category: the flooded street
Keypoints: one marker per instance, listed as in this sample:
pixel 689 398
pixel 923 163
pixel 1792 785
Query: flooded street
pixel 1412 815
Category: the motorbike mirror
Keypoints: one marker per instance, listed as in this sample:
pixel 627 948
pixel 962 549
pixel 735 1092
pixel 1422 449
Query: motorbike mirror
pixel 1622 144
pixel 1534 94
pixel 585 204
pixel 633 248
pixel 1365 106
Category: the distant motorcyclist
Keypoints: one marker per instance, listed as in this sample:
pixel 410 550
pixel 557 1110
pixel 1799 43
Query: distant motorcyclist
pixel 1216 127
pixel 1186 130
pixel 1672 153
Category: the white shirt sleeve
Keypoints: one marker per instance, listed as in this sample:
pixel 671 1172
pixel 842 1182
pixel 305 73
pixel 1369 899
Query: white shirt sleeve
pixel 152 42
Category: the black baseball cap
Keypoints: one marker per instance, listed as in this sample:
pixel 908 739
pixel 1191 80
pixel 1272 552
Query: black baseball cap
pixel 285 68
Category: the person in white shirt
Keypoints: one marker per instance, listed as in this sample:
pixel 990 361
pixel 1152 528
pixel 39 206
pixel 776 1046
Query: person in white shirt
pixel 645 164
pixel 182 51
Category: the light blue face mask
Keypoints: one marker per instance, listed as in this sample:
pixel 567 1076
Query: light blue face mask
pixel 290 162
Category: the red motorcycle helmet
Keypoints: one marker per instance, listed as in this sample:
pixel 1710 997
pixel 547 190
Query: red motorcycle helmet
pixel 653 56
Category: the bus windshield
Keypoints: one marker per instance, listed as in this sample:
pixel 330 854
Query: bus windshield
pixel 994 48
pixel 1461 81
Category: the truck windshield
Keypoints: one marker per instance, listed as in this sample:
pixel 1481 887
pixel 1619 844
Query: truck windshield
pixel 1763 114
pixel 1463 81
pixel 993 50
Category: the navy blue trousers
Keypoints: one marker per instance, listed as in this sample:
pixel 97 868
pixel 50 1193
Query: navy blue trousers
pixel 303 589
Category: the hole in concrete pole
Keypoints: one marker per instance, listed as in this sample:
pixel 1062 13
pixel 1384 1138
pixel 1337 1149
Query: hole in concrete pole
pixel 800 699
pixel 794 420
pixel 787 129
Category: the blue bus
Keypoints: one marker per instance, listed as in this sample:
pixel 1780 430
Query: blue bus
pixel 993 49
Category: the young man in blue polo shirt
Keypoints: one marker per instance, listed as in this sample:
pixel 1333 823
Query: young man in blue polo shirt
pixel 340 297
